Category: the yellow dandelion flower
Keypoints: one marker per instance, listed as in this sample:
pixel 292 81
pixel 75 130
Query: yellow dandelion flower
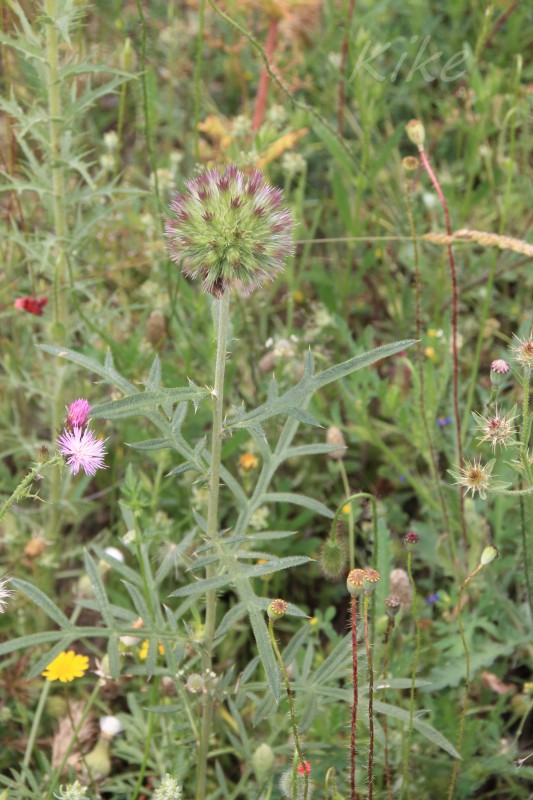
pixel 298 296
pixel 66 667
pixel 346 508
pixel 433 333
pixel 313 621
pixel 248 461
pixel 429 352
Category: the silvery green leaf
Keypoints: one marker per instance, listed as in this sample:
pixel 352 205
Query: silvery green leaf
pixel 297 500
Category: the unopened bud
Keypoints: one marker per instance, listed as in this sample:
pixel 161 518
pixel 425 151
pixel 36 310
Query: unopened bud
pixel 411 540
pixel 335 436
pixel 498 371
pixel 127 57
pixel 416 132
pixel 263 762
pixel 488 555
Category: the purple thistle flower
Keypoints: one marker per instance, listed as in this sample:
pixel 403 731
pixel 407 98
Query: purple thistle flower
pixel 78 413
pixel 82 450
pixel 230 228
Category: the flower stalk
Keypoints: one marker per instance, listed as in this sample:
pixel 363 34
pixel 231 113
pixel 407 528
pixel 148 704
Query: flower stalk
pixel 222 323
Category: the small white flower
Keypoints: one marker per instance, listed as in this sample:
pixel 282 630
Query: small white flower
pixel 168 789
pixel 115 553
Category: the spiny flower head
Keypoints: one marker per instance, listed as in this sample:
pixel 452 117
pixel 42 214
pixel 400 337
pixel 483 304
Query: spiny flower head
pixel 66 667
pixel 82 450
pixel 230 228
pixel 475 477
pixel 522 351
pixel 332 557
pixel 497 429
pixel 78 413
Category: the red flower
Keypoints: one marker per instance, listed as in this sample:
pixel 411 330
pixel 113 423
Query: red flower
pixel 31 304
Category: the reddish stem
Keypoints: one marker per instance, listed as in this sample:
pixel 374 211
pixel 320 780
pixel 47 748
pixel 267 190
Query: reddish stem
pixel 264 78
pixel 342 68
pixel 353 795
pixel 370 705
pixel 453 273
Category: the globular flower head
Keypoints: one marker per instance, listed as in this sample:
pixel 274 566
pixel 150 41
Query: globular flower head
pixel 522 351
pixel 72 791
pixel 66 667
pixel 78 413
pixel 354 582
pixel 229 228
pixel 5 593
pixel 277 609
pixel 411 540
pixel 496 429
pixel 82 450
pixel 370 580
pixel 475 477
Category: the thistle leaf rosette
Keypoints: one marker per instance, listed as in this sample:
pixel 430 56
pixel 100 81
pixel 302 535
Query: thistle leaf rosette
pixel 229 228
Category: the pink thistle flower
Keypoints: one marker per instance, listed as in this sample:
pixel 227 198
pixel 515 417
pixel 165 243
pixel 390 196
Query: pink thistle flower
pixel 78 413
pixel 82 450
pixel 500 367
pixel 31 305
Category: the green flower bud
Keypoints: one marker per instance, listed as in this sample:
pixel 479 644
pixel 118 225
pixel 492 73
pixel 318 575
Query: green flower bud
pixel 488 555
pixel 263 762
pixel 416 132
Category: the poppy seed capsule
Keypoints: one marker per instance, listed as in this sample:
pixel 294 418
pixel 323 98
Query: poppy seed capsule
pixel 392 605
pixel 416 132
pixel 370 580
pixel 354 582
pixel 277 609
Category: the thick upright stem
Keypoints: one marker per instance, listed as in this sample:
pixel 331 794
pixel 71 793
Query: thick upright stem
pixel 212 529
pixel 370 699
pixel 264 79
pixel 407 751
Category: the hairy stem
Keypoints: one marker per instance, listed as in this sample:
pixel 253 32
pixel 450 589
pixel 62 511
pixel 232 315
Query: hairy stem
pixel 292 712
pixel 407 749
pixel 264 78
pixel 197 78
pixel 342 68
pixel 353 741
pixel 222 322
pixel 370 699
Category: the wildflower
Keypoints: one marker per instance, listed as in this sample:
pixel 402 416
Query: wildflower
pixel 230 229
pixel 497 430
pixel 168 789
pixel 303 768
pixel 110 726
pixel 72 791
pixel 443 421
pixel 432 598
pixel 298 296
pixel 66 667
pixel 475 477
pixel 248 461
pixel 145 646
pixel 287 781
pixel 78 413
pixel 259 518
pixel 346 508
pixel 195 684
pixel 83 449
pixel 411 539
pixel 4 594
pixel 523 352
pixel 429 352
pixel 31 305
pixel 500 366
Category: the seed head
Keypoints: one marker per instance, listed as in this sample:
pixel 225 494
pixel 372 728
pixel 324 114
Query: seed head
pixel 410 163
pixel 277 609
pixel 354 582
pixel 475 477
pixel 230 229
pixel 392 605
pixel 497 429
pixel 370 580
pixel 522 351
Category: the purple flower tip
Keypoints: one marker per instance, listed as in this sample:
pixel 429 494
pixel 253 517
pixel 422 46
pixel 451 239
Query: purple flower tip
pixel 443 421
